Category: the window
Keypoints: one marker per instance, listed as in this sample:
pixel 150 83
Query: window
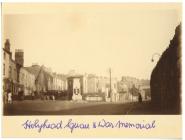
pixel 3 69
pixel 10 71
pixel 15 74
pixel 4 55
pixel 74 91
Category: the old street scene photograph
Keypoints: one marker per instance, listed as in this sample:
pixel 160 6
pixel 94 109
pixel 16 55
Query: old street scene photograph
pixel 91 59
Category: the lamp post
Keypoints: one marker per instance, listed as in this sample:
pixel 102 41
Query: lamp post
pixel 155 54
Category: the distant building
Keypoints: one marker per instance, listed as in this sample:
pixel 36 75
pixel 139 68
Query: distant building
pixel 6 65
pixel 10 71
pixel 110 92
pixel 129 84
pixel 41 78
pixel 57 82
pixel 47 81
pixel 72 72
pixel 102 84
pixel 50 84
pixel 122 87
pixel 19 57
pixel 63 81
pixel 92 84
pixel 85 84
pixel 114 92
pixel 27 80
pixel 130 81
pixel 13 77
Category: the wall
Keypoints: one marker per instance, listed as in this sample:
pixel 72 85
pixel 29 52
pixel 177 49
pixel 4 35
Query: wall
pixel 166 78
pixel 13 73
pixel 91 84
pixel 6 63
pixel 27 80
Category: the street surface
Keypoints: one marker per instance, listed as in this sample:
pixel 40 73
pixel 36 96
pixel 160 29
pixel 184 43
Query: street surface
pixel 48 107
pixel 60 107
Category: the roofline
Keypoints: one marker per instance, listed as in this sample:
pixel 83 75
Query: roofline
pixel 28 71
pixel 7 51
pixel 75 76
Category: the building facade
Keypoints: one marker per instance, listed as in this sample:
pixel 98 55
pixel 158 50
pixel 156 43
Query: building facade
pixel 19 57
pixel 27 80
pixel 6 66
pixel 92 84
pixel 13 77
pixel 102 84
pixel 58 84
pixel 41 78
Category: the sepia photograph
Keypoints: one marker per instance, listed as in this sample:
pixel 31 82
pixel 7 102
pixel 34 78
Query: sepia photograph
pixel 91 59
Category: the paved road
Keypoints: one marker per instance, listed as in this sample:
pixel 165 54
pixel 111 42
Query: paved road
pixel 38 107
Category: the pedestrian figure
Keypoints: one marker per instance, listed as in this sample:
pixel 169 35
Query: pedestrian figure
pixel 9 97
pixel 47 96
pixel 140 98
pixel 5 97
pixel 53 97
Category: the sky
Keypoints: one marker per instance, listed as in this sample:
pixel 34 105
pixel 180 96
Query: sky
pixel 91 38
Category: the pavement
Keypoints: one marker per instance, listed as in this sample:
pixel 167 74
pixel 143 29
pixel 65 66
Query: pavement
pixel 60 107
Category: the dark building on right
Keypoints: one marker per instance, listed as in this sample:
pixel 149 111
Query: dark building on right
pixel 166 79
